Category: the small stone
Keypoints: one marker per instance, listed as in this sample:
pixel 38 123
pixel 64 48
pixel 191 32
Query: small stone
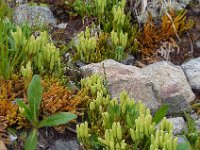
pixel 61 25
pixel 194 116
pixel 129 60
pixel 198 124
pixel 198 44
pixel 178 125
pixel 21 1
pixel 80 63
pixel 66 145
pixel 12 137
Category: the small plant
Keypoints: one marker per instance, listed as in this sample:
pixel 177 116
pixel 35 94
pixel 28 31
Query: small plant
pixel 82 7
pixel 59 98
pixel 111 38
pixel 95 84
pixel 31 113
pixel 97 46
pixel 86 45
pixel 151 39
pixel 9 112
pixel 42 53
pixel 124 124
pixel 119 44
pixel 18 48
pixel 191 136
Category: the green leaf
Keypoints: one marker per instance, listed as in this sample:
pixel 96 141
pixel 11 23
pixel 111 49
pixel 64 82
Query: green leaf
pixel 35 96
pixel 25 110
pixel 57 119
pixel 191 124
pixel 160 114
pixel 183 146
pixel 32 140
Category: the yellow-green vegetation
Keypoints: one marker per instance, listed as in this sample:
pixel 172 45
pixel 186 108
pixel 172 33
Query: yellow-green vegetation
pixel 39 51
pixel 122 124
pixel 19 48
pixel 111 38
pixel 192 135
pixel 94 46
pixel 94 83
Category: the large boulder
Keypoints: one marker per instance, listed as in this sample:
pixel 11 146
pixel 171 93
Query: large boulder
pixel 192 71
pixel 170 85
pixel 155 85
pixel 34 15
pixel 124 77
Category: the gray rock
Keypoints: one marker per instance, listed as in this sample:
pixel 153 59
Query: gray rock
pixel 198 44
pixel 61 25
pixel 129 60
pixel 195 116
pixel 34 15
pixel 170 85
pixel 198 124
pixel 181 139
pixel 21 1
pixel 179 125
pixel 65 145
pixel 156 84
pixel 124 77
pixel 192 71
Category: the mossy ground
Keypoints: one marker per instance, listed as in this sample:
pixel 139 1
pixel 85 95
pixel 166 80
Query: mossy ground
pixel 187 45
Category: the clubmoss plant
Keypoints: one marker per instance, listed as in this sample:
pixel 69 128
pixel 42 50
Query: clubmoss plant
pixel 112 38
pixel 124 124
pixel 86 45
pixel 19 48
pixel 31 113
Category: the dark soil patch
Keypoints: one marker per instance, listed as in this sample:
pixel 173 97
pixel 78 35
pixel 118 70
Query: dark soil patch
pixel 47 138
pixel 188 47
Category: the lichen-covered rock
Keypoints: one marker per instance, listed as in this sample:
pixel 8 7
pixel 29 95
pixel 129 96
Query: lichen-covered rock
pixel 179 125
pixel 124 77
pixel 170 85
pixel 192 71
pixel 157 84
pixel 34 15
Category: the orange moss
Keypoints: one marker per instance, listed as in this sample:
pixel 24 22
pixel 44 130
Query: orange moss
pixel 59 98
pixel 11 89
pixel 9 111
pixel 3 133
pixel 153 36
